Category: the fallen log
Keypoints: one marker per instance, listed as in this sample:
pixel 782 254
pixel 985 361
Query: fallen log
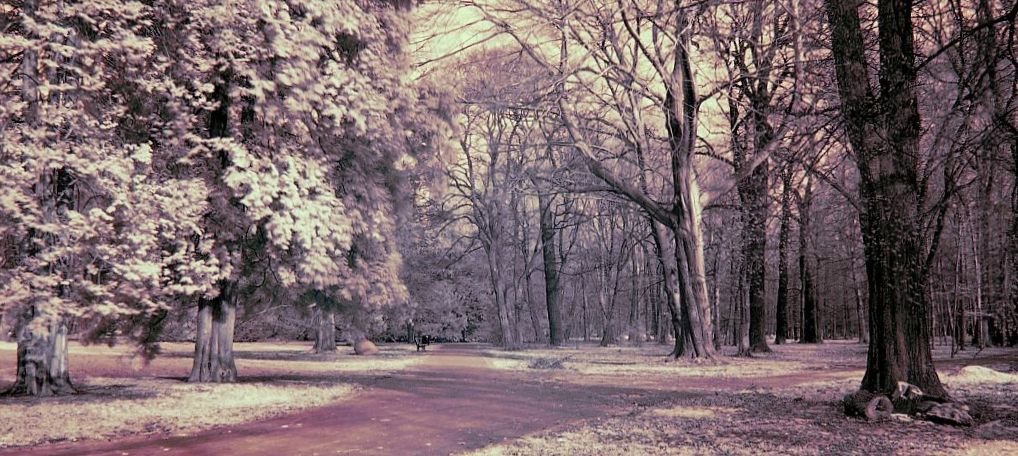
pixel 874 407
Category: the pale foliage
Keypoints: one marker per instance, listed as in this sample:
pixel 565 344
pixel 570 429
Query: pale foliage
pixel 121 198
pixel 97 225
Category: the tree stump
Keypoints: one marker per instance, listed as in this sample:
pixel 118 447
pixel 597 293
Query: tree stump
pixel 874 407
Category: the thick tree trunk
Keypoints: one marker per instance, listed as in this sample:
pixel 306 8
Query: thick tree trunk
pixel 884 133
pixel 781 323
pixel 665 251
pixel 325 330
pixel 42 357
pixel 551 282
pixel 753 193
pixel 680 114
pixel 213 345
pixel 899 348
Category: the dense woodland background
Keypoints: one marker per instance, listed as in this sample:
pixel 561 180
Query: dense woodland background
pixel 736 174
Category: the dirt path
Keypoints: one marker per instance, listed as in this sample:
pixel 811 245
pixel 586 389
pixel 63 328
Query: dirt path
pixel 451 402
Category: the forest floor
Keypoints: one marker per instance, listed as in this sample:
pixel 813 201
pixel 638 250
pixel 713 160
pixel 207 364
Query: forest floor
pixel 476 400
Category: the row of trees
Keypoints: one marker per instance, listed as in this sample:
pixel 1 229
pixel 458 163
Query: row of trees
pixel 664 162
pixel 713 171
pixel 161 155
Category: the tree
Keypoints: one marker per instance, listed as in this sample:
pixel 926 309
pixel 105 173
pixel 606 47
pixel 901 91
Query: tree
pixel 310 130
pixel 90 162
pixel 781 333
pixel 811 332
pixel 551 267
pixel 496 128
pixel 884 131
pixel 675 97
pixel 755 43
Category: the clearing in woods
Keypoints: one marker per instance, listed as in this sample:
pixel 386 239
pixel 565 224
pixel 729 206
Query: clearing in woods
pixel 469 398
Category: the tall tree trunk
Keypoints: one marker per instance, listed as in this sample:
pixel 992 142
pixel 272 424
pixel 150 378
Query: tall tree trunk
pixel 979 323
pixel 754 238
pixel 715 309
pixel 213 345
pixel 551 281
pixel 325 330
pixel 781 323
pixel 681 107
pixel 810 313
pixel 884 133
pixel 992 98
pixel 42 367
pixel 753 194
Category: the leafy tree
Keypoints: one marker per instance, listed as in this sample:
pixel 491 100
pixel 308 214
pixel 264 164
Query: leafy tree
pixel 93 201
pixel 310 138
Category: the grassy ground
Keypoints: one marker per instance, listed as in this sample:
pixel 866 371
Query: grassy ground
pixel 780 403
pixel 121 396
pixel 784 402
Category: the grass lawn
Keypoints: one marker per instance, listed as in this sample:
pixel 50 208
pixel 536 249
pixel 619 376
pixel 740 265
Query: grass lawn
pixel 784 402
pixel 120 396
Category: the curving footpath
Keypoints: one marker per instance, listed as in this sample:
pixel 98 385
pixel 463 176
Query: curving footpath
pixel 450 402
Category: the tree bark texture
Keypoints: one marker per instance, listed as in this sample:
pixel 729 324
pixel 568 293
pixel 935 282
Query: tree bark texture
pixel 753 192
pixel 1012 246
pixel 325 330
pixel 664 247
pixel 884 132
pixel 213 345
pixel 506 324
pixel 810 311
pixel 551 281
pixel 680 116
pixel 42 357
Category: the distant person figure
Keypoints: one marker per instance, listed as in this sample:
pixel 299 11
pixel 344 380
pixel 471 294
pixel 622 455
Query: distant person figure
pixel 422 342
